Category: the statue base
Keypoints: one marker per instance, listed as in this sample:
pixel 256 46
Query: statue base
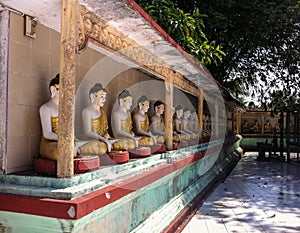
pixel 158 149
pixel 175 145
pixel 119 156
pixel 183 144
pixel 140 152
pixel 48 167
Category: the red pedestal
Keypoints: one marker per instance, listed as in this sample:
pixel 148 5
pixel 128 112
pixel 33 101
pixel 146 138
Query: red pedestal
pixel 119 156
pixel 158 149
pixel 81 165
pixel 175 145
pixel 183 144
pixel 86 164
pixel 140 152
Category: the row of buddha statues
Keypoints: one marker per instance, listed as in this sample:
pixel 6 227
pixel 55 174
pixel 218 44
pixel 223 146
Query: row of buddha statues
pixel 130 131
pixel 268 127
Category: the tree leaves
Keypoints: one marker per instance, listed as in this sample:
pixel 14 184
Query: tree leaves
pixel 186 28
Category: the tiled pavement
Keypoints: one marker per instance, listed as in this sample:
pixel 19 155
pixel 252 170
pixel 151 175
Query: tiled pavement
pixel 258 196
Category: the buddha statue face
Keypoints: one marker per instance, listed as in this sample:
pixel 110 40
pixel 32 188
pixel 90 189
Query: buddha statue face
pixel 100 98
pixel 187 114
pixel 160 109
pixel 144 106
pixel 98 95
pixel 179 113
pixel 126 103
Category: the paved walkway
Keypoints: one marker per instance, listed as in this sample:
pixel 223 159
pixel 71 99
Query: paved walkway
pixel 256 197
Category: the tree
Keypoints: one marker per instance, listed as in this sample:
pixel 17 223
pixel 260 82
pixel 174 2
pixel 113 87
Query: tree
pixel 261 39
pixel 185 28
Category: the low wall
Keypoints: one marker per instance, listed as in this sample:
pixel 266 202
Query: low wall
pixel 148 195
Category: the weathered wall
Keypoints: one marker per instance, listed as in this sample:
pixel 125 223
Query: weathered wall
pixel 152 208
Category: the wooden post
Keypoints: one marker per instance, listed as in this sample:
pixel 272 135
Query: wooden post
pixel 200 109
pixel 4 36
pixel 169 87
pixel 65 160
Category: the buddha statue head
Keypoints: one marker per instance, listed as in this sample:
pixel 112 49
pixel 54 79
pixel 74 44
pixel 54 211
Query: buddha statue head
pixel 186 113
pixel 159 107
pixel 54 86
pixel 125 99
pixel 143 103
pixel 179 111
pixel 98 95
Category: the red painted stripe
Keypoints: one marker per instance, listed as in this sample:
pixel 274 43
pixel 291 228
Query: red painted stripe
pixel 94 200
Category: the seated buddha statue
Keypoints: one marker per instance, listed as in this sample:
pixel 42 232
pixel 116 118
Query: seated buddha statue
pixel 178 129
pixel 141 125
pixel 157 126
pixel 95 124
pixel 268 127
pixel 186 127
pixel 122 123
pixel 194 123
pixel 49 122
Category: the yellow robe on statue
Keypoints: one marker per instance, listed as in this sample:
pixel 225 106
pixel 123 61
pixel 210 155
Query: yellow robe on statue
pixel 99 126
pixel 145 140
pixel 48 148
pixel 125 143
pixel 161 127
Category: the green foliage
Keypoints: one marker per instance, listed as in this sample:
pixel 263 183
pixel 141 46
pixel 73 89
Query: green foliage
pixel 261 39
pixel 187 29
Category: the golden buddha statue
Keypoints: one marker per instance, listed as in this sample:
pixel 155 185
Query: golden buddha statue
pixel 186 127
pixel 95 124
pixel 157 126
pixel 141 123
pixel 179 134
pixel 268 127
pixel 49 122
pixel 122 123
pixel 194 123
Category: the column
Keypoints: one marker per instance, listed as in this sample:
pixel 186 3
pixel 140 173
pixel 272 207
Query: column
pixel 169 88
pixel 65 160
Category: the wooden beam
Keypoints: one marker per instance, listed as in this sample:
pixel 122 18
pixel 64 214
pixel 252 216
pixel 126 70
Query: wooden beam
pixel 65 160
pixel 169 88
